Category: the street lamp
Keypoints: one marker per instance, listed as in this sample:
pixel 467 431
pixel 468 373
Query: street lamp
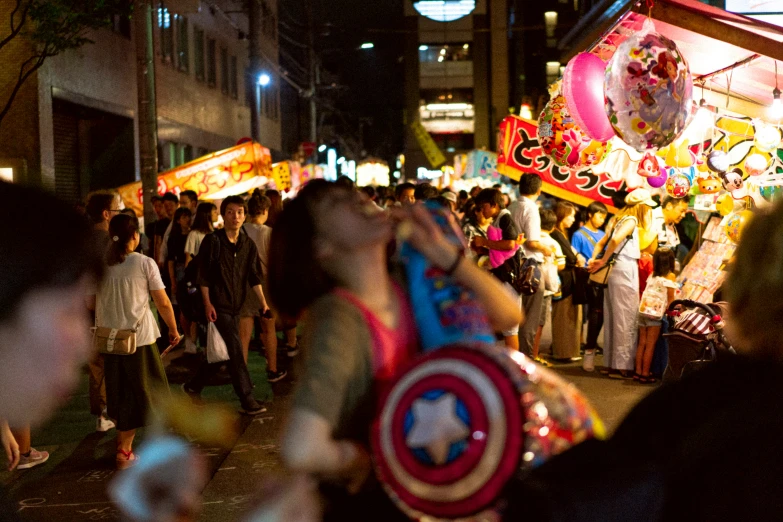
pixel 264 79
pixel 368 45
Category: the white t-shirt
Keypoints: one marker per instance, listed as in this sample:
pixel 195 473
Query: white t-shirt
pixel 193 242
pixel 260 234
pixel 124 296
pixel 524 212
pixel 667 234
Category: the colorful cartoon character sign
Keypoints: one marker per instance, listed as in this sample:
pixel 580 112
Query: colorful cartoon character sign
pixel 648 167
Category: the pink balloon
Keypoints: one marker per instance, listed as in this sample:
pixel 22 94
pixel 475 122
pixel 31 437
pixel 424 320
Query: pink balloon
pixel 660 180
pixel 583 90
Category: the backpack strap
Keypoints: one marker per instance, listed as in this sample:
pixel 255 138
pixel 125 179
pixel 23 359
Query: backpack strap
pixel 588 237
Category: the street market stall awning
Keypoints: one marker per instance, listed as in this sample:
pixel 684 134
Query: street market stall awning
pixel 732 55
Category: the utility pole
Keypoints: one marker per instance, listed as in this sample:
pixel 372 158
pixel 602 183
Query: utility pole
pixel 313 79
pixel 147 108
pixel 255 21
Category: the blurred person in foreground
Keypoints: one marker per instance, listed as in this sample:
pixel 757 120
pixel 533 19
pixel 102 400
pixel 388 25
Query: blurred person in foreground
pixel 328 258
pixel 706 447
pixel 49 262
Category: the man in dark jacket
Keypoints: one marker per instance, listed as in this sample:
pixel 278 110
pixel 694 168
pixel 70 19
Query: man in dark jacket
pixel 229 265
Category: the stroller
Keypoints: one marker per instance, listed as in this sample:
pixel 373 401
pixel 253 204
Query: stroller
pixel 695 338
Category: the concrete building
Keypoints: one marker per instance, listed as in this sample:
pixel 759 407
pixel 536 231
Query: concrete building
pixel 456 76
pixel 73 127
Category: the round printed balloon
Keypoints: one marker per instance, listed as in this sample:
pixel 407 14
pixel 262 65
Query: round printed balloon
pixel 767 138
pixel 678 185
pixel 583 89
pixel 564 141
pixel 736 223
pixel 648 91
pixel 725 204
pixel 755 165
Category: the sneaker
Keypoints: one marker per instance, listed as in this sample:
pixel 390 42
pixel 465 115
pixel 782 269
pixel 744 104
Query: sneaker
pixel 588 363
pixel 279 375
pixel 34 458
pixel 103 423
pixel 252 408
pixel 292 351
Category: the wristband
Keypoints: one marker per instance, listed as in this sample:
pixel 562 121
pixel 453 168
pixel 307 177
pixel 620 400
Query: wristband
pixel 453 268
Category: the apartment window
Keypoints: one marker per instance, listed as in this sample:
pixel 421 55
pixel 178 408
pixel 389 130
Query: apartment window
pixel 121 24
pixel 211 65
pixel 183 47
pixel 224 70
pixel 232 78
pixel 198 51
pixel 166 32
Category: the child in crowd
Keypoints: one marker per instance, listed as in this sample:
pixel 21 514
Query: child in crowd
pixel 550 279
pixel 656 298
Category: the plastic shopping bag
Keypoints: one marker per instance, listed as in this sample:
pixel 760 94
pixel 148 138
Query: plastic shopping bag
pixel 216 346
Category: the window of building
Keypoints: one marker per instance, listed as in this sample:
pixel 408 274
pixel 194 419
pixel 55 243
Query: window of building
pixel 211 65
pixel 198 52
pixel 121 24
pixel 232 78
pixel 166 32
pixel 183 43
pixel 224 70
pixel 455 52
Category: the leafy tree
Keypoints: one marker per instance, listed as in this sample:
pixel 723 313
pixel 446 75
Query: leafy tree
pixel 53 26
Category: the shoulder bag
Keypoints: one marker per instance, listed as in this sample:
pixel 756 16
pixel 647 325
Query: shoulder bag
pixel 113 341
pixel 600 278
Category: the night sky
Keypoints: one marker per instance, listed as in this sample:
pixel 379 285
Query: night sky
pixel 361 102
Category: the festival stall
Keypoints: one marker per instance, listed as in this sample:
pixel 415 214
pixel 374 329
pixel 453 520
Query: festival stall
pixel 674 96
pixel 214 176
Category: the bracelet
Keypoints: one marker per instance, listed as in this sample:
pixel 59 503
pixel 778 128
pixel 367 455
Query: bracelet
pixel 453 268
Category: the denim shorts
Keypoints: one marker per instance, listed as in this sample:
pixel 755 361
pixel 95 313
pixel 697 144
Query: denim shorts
pixel 646 322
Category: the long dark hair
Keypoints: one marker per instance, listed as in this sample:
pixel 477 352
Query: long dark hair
pixel 121 230
pixel 296 279
pixel 203 220
pixel 176 228
pixel 663 262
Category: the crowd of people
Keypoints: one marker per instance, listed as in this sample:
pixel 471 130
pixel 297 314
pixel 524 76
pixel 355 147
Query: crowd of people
pixel 322 259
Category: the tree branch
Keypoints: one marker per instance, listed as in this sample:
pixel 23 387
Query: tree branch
pixel 15 30
pixel 23 76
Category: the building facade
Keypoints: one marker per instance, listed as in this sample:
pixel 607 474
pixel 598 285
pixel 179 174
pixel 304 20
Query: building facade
pixel 456 78
pixel 73 127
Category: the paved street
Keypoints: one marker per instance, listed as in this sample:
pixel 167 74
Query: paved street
pixel 71 486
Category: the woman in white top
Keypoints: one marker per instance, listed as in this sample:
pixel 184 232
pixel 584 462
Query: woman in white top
pixel 206 214
pixel 122 302
pixel 621 305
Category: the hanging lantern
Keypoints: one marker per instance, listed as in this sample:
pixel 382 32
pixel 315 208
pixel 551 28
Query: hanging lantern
pixel 648 90
pixel 564 141
pixel 767 138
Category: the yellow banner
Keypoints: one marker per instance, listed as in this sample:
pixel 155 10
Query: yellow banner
pixel 206 175
pixel 428 145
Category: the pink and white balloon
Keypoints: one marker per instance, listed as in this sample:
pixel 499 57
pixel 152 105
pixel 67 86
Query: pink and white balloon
pixel 583 90
pixel 755 165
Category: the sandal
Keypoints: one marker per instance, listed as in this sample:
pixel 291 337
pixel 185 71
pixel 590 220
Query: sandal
pixel 637 377
pixel 125 459
pixel 648 379
pixel 604 370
